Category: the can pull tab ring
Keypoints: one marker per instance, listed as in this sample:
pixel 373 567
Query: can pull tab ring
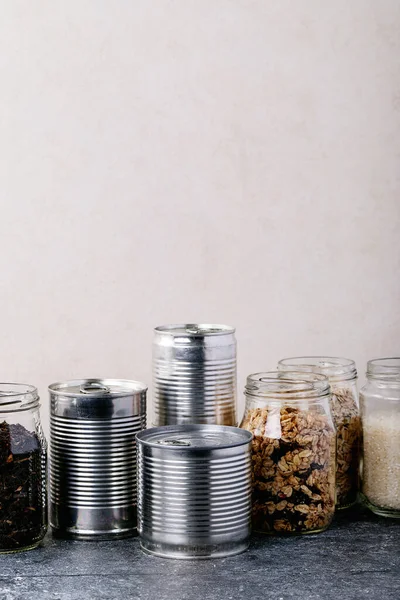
pixel 89 388
pixel 193 329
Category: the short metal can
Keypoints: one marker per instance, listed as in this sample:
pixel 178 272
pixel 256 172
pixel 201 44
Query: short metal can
pixel 93 423
pixel 194 374
pixel 194 491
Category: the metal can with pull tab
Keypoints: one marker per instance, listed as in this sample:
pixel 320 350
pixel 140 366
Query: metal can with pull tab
pixel 93 423
pixel 194 491
pixel 194 374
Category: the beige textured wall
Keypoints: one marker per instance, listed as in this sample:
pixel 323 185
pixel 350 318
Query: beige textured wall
pixel 234 161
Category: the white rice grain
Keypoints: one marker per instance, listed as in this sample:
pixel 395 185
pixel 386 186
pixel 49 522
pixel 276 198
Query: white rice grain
pixel 381 465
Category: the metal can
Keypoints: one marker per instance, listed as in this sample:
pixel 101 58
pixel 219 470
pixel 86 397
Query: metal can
pixel 93 423
pixel 194 375
pixel 194 491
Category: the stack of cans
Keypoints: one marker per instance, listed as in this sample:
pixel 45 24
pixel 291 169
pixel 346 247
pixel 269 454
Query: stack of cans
pixel 187 488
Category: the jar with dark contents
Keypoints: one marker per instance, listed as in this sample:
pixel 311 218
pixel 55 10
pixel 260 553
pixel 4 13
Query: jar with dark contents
pixel 293 452
pixel 23 466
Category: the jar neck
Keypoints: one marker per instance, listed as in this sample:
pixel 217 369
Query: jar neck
pixel 385 371
pixel 337 370
pixel 384 381
pixel 289 387
pixel 16 397
pixel 304 403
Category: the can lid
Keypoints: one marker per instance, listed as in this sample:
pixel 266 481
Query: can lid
pixel 192 437
pixel 195 329
pixel 90 388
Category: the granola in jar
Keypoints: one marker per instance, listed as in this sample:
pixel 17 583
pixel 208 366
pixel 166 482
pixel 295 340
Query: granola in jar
pixel 345 413
pixel 293 452
pixel 342 375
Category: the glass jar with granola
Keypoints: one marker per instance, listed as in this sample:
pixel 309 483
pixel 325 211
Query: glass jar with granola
pixel 380 414
pixel 342 375
pixel 293 451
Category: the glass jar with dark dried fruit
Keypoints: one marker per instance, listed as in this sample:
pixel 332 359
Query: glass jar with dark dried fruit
pixel 293 451
pixel 342 376
pixel 23 466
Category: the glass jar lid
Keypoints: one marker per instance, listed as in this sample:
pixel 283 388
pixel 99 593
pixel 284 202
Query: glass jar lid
pixel 287 385
pixel 333 367
pixel 384 369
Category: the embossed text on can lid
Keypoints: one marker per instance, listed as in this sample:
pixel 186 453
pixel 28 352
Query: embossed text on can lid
pixel 104 388
pixel 187 437
pixel 195 329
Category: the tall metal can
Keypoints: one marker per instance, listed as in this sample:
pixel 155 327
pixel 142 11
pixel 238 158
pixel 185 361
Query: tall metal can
pixel 194 491
pixel 93 423
pixel 194 374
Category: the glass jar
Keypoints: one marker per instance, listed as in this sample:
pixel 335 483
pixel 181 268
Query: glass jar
pixel 23 453
pixel 342 376
pixel 293 451
pixel 380 415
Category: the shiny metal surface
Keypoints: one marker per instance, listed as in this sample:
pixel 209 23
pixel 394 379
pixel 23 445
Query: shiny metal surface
pixel 93 424
pixel 194 491
pixel 194 374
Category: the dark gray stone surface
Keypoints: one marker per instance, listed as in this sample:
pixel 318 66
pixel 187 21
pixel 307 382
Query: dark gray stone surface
pixel 359 557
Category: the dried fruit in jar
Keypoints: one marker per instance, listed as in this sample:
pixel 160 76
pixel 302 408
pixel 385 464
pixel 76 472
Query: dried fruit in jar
pixel 348 427
pixel 293 457
pixel 22 494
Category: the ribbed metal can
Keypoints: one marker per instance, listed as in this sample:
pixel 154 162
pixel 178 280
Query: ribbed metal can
pixel 194 491
pixel 194 374
pixel 93 423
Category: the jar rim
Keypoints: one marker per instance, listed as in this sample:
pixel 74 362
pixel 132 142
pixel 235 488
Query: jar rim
pixel 17 396
pixel 384 369
pixel 288 385
pixel 335 368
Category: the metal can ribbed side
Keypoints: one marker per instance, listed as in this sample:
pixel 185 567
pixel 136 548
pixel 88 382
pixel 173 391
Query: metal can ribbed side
pixel 194 375
pixel 194 504
pixel 93 487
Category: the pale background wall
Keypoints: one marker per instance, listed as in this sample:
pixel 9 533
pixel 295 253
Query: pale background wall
pixel 233 161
